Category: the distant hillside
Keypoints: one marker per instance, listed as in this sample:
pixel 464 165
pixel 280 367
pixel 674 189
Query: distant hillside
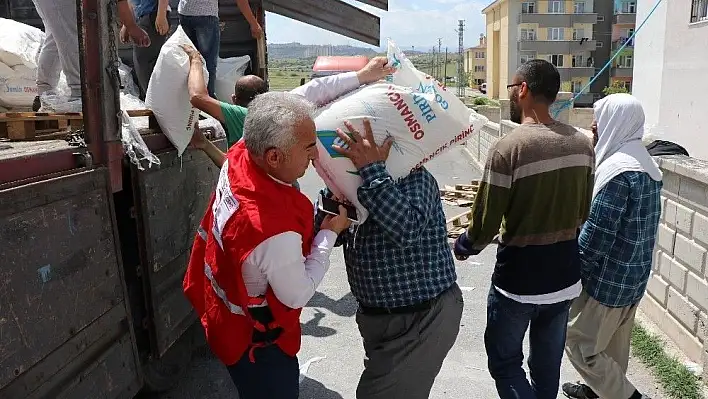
pixel 296 50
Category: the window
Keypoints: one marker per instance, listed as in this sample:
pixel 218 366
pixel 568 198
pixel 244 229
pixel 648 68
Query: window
pixel 624 61
pixel 578 61
pixel 556 7
pixel 628 7
pixel 479 68
pixel 576 86
pixel 528 34
pixel 598 44
pixel 600 18
pixel 579 7
pixel 555 33
pixel 578 34
pixel 479 54
pixel 556 59
pixel 526 57
pixel 528 8
pixel 699 10
pixel 628 86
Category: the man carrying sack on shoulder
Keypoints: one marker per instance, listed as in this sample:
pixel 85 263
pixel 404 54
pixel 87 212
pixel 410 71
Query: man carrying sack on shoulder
pixel 256 260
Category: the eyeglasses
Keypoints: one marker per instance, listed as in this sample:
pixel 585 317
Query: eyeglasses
pixel 514 85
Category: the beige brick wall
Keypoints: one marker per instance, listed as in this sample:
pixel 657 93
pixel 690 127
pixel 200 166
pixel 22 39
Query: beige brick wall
pixel 677 297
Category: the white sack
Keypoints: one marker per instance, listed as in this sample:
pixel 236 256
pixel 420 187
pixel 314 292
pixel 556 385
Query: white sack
pixel 19 43
pixel 227 71
pixel 423 117
pixel 167 95
pixel 17 86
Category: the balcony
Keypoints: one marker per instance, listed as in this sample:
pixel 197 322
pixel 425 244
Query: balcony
pixel 621 72
pixel 557 46
pixel 584 99
pixel 619 42
pixel 569 73
pixel 624 18
pixel 558 20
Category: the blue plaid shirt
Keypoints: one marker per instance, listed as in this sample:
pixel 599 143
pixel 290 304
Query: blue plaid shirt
pixel 400 255
pixel 617 241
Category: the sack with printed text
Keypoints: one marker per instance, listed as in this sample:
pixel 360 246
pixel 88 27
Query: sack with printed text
pixel 167 95
pixel 423 117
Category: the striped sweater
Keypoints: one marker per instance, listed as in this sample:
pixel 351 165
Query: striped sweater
pixel 535 195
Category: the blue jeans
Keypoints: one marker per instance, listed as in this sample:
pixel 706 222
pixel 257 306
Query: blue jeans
pixel 274 375
pixel 205 33
pixel 507 322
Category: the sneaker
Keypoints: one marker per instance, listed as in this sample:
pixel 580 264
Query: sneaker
pixel 578 391
pixel 36 104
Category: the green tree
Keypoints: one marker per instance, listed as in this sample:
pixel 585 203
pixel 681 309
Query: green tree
pixel 614 88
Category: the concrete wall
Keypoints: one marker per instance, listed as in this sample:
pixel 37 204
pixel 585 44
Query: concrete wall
pixel 671 80
pixel 582 117
pixel 677 293
pixel 678 289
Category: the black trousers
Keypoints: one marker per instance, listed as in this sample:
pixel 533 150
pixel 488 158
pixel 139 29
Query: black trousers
pixel 274 375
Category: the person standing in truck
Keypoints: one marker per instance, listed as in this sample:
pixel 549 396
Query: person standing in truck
pixel 60 50
pixel 200 21
pixel 153 17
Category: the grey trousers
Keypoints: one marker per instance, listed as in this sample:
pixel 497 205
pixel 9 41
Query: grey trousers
pixel 60 50
pixel 144 58
pixel 405 352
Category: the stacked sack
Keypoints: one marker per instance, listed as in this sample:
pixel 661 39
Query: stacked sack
pixel 422 116
pixel 19 49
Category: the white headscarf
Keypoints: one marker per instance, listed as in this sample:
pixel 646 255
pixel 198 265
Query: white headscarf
pixel 619 148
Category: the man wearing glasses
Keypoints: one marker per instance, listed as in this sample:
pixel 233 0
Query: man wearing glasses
pixel 534 196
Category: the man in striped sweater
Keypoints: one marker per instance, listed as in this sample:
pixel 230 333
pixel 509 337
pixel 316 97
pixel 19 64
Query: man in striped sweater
pixel 534 196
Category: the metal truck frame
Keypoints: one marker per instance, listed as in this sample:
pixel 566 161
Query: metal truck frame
pixel 93 250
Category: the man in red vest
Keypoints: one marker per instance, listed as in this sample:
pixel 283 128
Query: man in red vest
pixel 256 261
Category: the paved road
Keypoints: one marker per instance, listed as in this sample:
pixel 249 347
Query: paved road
pixel 330 331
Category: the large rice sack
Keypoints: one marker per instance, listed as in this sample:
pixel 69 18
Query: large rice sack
pixel 18 87
pixel 227 71
pixel 167 94
pixel 19 43
pixel 423 117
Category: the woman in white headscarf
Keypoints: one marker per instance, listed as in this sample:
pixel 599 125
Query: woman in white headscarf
pixel 616 245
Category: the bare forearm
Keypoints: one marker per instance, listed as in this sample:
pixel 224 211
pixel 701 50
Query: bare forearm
pixel 196 83
pixel 125 13
pixel 214 153
pixel 162 6
pixel 245 9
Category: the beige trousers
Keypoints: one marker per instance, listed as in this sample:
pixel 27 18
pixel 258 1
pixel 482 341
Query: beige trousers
pixel 598 345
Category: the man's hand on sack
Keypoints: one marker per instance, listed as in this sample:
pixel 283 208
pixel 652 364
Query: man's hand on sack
pixel 337 223
pixel 375 70
pixel 134 34
pixel 198 140
pixel 360 150
pixel 192 53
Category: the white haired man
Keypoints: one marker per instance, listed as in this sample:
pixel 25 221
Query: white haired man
pixel 256 260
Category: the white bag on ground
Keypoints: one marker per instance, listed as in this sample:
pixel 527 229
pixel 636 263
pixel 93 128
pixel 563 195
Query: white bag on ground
pixel 167 95
pixel 227 71
pixel 19 43
pixel 18 87
pixel 423 117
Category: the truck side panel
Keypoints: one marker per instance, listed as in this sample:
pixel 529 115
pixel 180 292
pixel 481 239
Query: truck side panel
pixel 170 202
pixel 63 318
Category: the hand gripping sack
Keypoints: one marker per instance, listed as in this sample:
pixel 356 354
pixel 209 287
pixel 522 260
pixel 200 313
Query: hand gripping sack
pixel 167 94
pixel 424 119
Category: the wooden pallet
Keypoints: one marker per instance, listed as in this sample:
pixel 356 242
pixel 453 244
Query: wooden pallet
pixel 460 194
pixel 38 125
pixel 457 225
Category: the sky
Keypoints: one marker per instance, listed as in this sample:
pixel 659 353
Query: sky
pixel 409 23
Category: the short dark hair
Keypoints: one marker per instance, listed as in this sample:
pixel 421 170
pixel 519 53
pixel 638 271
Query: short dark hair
pixel 248 87
pixel 542 79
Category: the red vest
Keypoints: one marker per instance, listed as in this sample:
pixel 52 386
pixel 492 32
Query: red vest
pixel 247 208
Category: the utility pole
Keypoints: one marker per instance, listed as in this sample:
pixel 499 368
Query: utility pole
pixel 460 59
pixel 440 55
pixel 445 71
pixel 432 64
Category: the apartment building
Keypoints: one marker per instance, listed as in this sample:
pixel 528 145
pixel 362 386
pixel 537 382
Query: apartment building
pixel 475 60
pixel 671 83
pixel 560 31
pixel 624 21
